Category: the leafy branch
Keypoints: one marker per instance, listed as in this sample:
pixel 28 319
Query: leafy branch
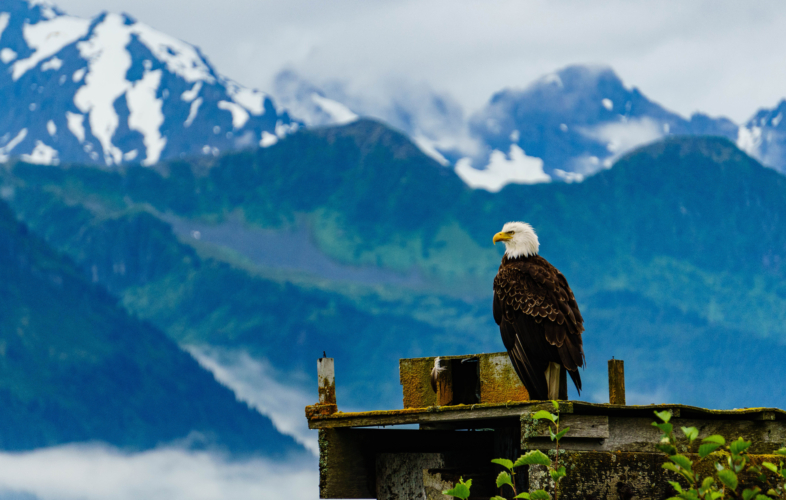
pixel 726 483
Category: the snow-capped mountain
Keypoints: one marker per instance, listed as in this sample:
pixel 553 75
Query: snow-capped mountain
pixel 111 90
pixel 562 127
pixel 570 124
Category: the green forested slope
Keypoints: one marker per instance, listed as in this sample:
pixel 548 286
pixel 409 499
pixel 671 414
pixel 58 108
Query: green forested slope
pixel 74 366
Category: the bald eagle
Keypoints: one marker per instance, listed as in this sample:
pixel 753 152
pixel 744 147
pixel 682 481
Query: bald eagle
pixel 537 315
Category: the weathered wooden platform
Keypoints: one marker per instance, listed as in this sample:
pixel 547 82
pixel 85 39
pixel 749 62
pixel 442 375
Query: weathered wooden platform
pixel 609 450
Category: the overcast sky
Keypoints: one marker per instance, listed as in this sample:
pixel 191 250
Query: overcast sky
pixel 720 57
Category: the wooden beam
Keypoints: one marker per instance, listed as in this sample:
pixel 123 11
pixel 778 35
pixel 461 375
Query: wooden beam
pixel 457 414
pixel 581 426
pixel 616 382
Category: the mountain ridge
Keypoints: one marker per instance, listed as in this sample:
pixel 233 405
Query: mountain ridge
pixel 76 367
pixel 639 240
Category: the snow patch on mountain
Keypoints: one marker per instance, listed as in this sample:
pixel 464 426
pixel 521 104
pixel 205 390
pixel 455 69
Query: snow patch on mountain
pixel 267 140
pixel 515 168
pixel 10 145
pixel 42 154
pixel 239 113
pixel 146 116
pixel 4 17
pixel 7 55
pixel 75 125
pixel 47 38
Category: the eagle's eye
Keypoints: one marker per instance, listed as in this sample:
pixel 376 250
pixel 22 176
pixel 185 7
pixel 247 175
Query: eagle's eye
pixel 511 232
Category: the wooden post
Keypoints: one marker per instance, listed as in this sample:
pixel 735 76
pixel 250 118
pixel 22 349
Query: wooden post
pixel 326 378
pixel 616 382
pixel 445 383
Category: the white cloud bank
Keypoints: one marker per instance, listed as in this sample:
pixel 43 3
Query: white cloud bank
pixel 94 472
pixel 516 168
pixel 257 383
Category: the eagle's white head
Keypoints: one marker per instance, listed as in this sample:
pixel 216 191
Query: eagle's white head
pixel 519 238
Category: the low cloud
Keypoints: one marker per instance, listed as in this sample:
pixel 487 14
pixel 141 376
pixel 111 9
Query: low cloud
pixel 623 136
pixel 257 383
pixel 515 168
pixel 88 472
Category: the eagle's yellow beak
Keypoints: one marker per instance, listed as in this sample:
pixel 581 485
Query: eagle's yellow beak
pixel 501 237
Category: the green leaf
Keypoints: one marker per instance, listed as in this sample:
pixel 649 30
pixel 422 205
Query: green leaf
pixel 770 466
pixel 728 478
pixel 782 451
pixel 539 495
pixel 555 404
pixel 707 448
pixel 670 466
pixel 508 464
pixel 749 493
pixel 664 428
pixel 708 481
pixel 522 495
pixel 690 432
pixel 461 490
pixel 676 486
pixel 562 433
pixel 738 446
pixel 557 474
pixel 500 498
pixel 534 457
pixel 714 439
pixel 682 461
pixel 663 415
pixel 544 414
pixel 504 478
pixel 762 497
pixel 667 449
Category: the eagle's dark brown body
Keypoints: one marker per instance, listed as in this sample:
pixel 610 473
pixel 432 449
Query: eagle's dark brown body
pixel 539 321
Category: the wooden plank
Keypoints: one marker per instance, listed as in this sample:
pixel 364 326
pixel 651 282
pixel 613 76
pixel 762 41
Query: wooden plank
pixel 638 435
pixel 581 426
pixel 616 382
pixel 326 379
pixel 458 413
